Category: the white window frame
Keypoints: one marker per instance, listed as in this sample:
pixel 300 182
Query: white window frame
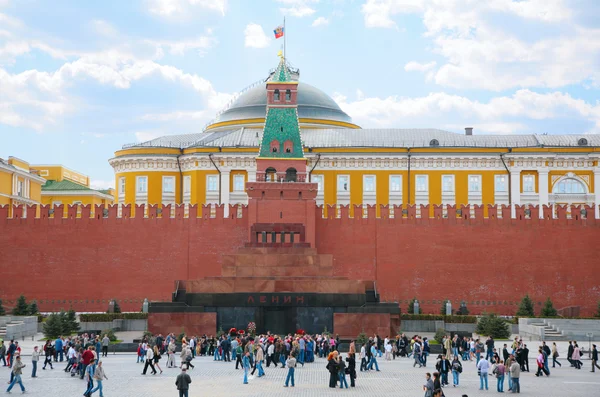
pixel 426 184
pixel 187 184
pixel 166 181
pixel 212 180
pixel 122 186
pixel 374 184
pixel 452 184
pixel 568 182
pixel 528 183
pixel 236 182
pixel 319 180
pixel 392 190
pixel 340 183
pixel 138 184
pixel 479 184
pixel 496 179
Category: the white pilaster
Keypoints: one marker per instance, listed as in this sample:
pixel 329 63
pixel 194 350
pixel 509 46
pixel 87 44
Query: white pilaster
pixel 515 191
pixel 224 184
pixel 597 192
pixel 543 189
pixel 251 175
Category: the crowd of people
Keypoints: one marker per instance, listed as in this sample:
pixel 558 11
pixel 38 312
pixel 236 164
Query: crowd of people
pixel 82 354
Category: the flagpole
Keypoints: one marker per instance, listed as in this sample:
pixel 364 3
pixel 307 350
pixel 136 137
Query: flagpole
pixel 284 34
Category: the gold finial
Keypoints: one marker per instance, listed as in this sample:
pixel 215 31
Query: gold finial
pixel 280 54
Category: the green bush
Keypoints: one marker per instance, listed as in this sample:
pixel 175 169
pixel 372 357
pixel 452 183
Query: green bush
pixel 494 326
pixel 22 308
pixel 33 309
pixel 548 310
pixel 53 326
pixel 100 317
pixel 439 335
pixel 110 333
pixel 362 338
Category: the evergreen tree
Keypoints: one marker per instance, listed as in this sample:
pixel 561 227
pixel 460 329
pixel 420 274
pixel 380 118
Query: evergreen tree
pixel 548 310
pixel 64 323
pixel 2 311
pixel 53 326
pixel 117 308
pixel 411 306
pixel 443 308
pixel 21 309
pixel 526 307
pixel 33 309
pixel 72 323
pixel 462 310
pixel 494 326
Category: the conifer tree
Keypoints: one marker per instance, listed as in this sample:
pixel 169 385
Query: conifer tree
pixel 494 326
pixel 33 309
pixel 117 308
pixel 21 309
pixel 548 310
pixel 53 326
pixel 71 320
pixel 2 311
pixel 526 307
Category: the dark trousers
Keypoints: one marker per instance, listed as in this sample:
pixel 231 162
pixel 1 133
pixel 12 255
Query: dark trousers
pixel 363 364
pixel 333 379
pixel 595 365
pixel 82 370
pixel 227 356
pixel 352 378
pixel 149 363
pixel 48 361
pixel 104 351
pixel 238 360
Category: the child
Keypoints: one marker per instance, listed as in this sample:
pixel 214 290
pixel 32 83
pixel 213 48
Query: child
pixel 140 354
pixel 291 364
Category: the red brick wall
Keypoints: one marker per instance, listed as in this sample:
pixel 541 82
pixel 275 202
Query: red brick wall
pixel 95 260
pixel 190 323
pixel 349 325
pixel 479 262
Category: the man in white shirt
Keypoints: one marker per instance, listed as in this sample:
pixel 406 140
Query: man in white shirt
pixel 149 359
pixel 71 356
pixel 270 352
pixel 483 367
pixel 193 346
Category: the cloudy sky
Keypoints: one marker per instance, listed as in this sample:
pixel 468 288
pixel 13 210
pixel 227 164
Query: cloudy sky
pixel 79 79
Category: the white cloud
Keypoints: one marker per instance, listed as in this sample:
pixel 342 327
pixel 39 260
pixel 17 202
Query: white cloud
pixel 169 8
pixel 419 67
pixel 102 185
pixel 200 44
pixel 320 21
pixel 497 115
pixel 481 53
pixel 104 28
pixel 298 8
pixel 255 36
pixel 143 136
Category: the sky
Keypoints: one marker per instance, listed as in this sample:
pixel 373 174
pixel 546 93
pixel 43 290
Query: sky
pixel 79 79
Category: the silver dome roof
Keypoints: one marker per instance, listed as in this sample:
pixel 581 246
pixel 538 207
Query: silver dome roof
pixel 312 103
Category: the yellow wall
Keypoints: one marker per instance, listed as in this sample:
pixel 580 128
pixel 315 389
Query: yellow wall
pixel 59 173
pixel 237 172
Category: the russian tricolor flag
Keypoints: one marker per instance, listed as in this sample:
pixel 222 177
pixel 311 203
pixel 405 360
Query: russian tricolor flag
pixel 279 30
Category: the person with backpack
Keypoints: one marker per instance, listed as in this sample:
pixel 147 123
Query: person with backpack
pixel 456 371
pixel 426 351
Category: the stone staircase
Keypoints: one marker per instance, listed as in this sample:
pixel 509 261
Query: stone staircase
pixel 3 328
pixel 550 331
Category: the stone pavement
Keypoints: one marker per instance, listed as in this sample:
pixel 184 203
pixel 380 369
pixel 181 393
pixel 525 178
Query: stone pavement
pixel 217 379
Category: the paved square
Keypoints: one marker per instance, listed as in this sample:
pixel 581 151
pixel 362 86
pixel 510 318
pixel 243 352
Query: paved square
pixel 211 378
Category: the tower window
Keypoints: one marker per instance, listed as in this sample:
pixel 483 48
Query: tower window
pixel 274 146
pixel 288 95
pixel 288 146
pixel 276 97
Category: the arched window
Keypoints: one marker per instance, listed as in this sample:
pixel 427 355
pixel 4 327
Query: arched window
pixel 271 174
pixel 569 186
pixel 276 95
pixel 288 95
pixel 290 175
pixel 274 146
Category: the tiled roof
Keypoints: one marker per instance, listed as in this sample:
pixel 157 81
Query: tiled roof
pixel 377 137
pixel 282 73
pixel 68 186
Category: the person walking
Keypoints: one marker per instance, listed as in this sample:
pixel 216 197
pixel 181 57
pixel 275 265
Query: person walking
pixel 594 359
pixel 99 376
pixel 428 386
pixel 260 355
pixel 291 365
pixel 456 371
pixel 443 367
pixel 363 358
pixel 35 357
pixel 105 343
pixel 352 368
pixel 171 354
pixel 246 365
pixel 483 367
pixel 183 383
pixel 540 363
pixel 90 370
pixel 515 374
pixel 555 356
pixel 157 358
pixel 576 357
pixel 48 352
pixel 373 357
pixel 149 362
pixel 3 353
pixel 16 373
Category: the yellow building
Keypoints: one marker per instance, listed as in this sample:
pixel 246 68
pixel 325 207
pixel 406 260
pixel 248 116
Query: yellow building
pixel 68 187
pixel 361 166
pixel 19 183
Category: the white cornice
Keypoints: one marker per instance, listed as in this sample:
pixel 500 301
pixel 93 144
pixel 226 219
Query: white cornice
pixel 24 174
pixel 77 193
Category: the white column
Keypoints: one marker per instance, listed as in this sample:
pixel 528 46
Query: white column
pixel 515 191
pixel 597 192
pixel 252 176
pixel 224 185
pixel 543 189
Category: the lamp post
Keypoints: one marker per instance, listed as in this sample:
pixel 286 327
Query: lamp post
pixel 590 336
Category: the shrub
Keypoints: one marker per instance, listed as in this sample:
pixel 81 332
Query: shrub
pixel 439 335
pixel 362 338
pixel 102 317
pixel 3 312
pixel 53 326
pixel 548 310
pixel 33 310
pixel 110 333
pixel 462 310
pixel 494 326
pixel 526 307
pixel 21 309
